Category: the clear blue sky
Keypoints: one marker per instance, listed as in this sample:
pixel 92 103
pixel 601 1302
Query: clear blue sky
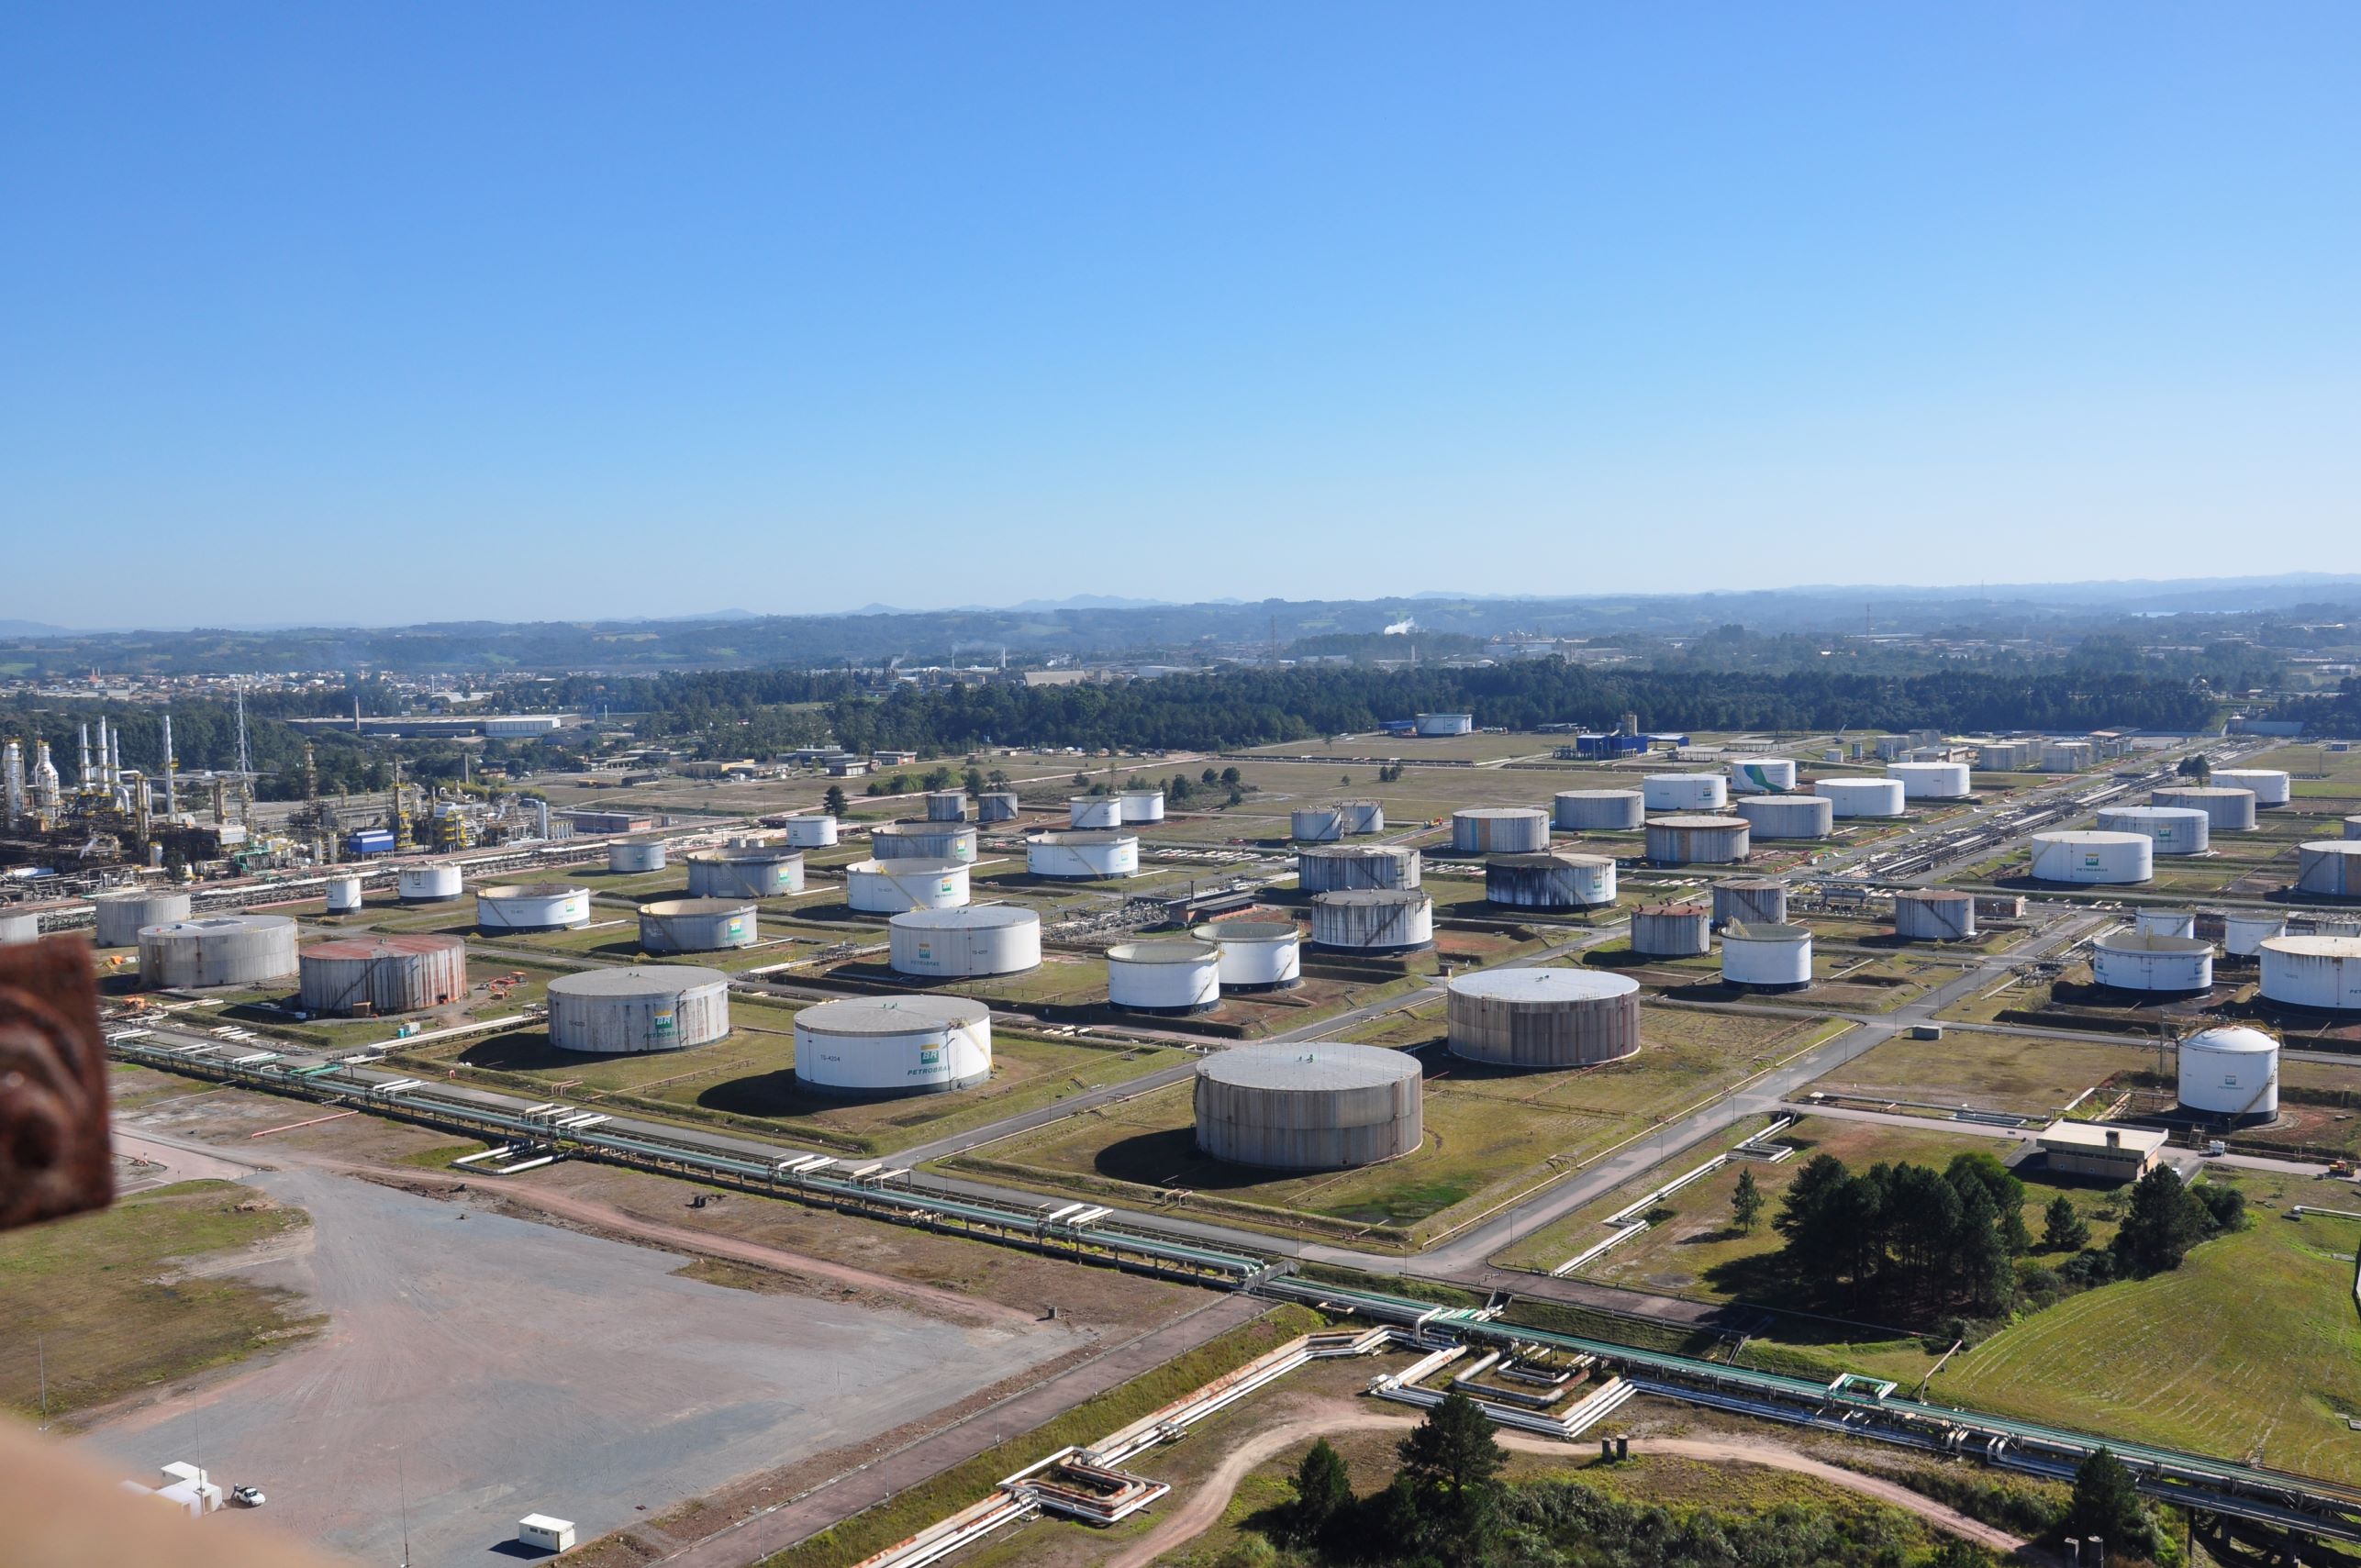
pixel 398 312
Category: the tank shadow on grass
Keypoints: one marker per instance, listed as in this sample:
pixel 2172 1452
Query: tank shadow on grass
pixel 1169 1157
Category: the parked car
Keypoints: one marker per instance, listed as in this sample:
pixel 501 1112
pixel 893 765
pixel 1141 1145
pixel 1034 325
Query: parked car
pixel 247 1497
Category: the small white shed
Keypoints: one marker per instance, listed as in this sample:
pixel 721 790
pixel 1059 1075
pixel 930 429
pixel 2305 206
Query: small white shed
pixel 549 1534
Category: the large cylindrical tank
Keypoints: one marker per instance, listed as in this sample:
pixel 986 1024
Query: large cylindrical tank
pixel 217 949
pixel 1933 914
pixel 946 806
pixel 1685 791
pixel 997 806
pixel 1315 824
pixel 2132 960
pixel 1142 805
pixel 2353 826
pixel 887 1047
pixel 697 925
pixel 1307 1107
pixel 392 973
pixel 1699 841
pixel 1175 976
pixel 2091 858
pixel 745 873
pixel 816 831
pixel 2230 1074
pixel 955 944
pixel 1750 901
pixel 1256 955
pixel 1672 931
pixel 1500 829
pixel 1861 797
pixel 1082 857
pixel 343 896
pixel 1544 1017
pixel 2330 867
pixel 2269 786
pixel 1550 880
pixel 1598 810
pixel 19 929
pixel 428 885
pixel 2173 829
pixel 2243 932
pixel 1788 816
pixel 1350 866
pixel 2313 972
pixel 635 855
pixel 1375 919
pixel 663 1007
pixel 1767 958
pixel 889 887
pixel 1438 724
pixel 923 841
pixel 1929 781
pixel 2165 922
pixel 1362 817
pixel 531 907
pixel 123 916
pixel 2230 810
pixel 1759 776
pixel 1094 811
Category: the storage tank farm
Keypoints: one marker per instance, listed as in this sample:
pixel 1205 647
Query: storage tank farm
pixel 1373 920
pixel 1767 958
pixel 1861 797
pixel 2330 868
pixel 1082 856
pixel 2092 859
pixel 1672 931
pixel 1750 901
pixel 1317 1106
pixel 2269 786
pixel 2128 959
pixel 1598 810
pixel 2173 829
pixel 1929 781
pixel 377 974
pixel 697 925
pixel 427 884
pixel 343 896
pixel 1788 816
pixel 1934 915
pixel 1550 880
pixel 887 1047
pixel 658 1007
pixel 123 916
pixel 2315 972
pixel 531 907
pixel 1763 775
pixel 758 872
pixel 1256 955
pixel 1094 811
pixel 1685 791
pixel 1172 975
pixel 977 940
pixel 2229 810
pixel 816 830
pixel 1346 867
pixel 2229 1075
pixel 217 949
pixel 1542 1018
pixel 1500 829
pixel 923 841
pixel 889 887
pixel 1699 841
pixel 635 855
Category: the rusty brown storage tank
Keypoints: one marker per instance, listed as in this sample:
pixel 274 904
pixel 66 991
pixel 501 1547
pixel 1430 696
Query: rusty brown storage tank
pixel 123 916
pixel 1307 1107
pixel 1672 931
pixel 1699 841
pixel 1505 829
pixel 1933 914
pixel 217 949
pixel 1550 881
pixel 392 973
pixel 1750 901
pixel 1544 1017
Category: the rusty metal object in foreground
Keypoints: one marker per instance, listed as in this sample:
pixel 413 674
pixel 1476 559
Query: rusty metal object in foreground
pixel 55 1157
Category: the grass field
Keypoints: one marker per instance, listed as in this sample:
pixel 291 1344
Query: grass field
pixel 1986 1071
pixel 106 1300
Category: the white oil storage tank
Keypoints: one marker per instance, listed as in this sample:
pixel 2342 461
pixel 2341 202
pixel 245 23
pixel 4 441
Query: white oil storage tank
pixel 1767 958
pixel 1348 866
pixel 428 885
pixel 2330 867
pixel 2088 858
pixel 217 949
pixel 2313 972
pixel 1550 880
pixel 635 855
pixel 1500 829
pixel 1432 725
pixel 1929 781
pixel 923 841
pixel 2165 922
pixel 1699 841
pixel 662 1007
pixel 1760 776
pixel 2173 829
pixel 1093 811
pixel 946 806
pixel 343 896
pixel 1683 792
pixel 19 928
pixel 2230 810
pixel 1933 914
pixel 1672 931
pixel 997 806
pixel 1307 1107
pixel 1375 919
pixel 123 916
pixel 813 831
pixel 2243 931
pixel 957 944
pixel 2269 786
pixel 358 976
pixel 1082 857
pixel 1544 1017
pixel 1256 955
pixel 1598 810
pixel 697 925
pixel 531 907
pixel 1315 824
pixel 1141 806
pixel 2132 960
pixel 884 1048
pixel 1750 901
pixel 2229 1074
pixel 1788 816
pixel 1362 816
pixel 1174 975
pixel 1861 797
pixel 745 873
pixel 889 887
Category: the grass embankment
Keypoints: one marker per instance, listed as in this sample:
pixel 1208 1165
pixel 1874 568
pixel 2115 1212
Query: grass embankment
pixel 910 1511
pixel 105 1299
